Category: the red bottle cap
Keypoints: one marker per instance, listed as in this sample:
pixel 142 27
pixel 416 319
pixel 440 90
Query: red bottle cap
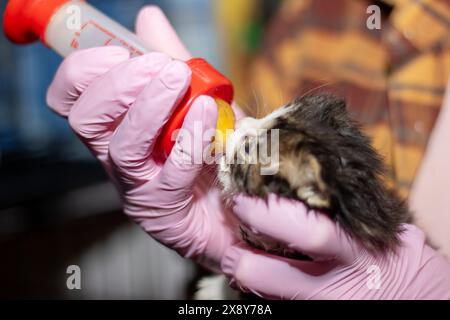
pixel 206 80
pixel 25 21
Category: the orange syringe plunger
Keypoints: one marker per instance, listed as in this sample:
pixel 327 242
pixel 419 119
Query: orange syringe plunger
pixel 69 25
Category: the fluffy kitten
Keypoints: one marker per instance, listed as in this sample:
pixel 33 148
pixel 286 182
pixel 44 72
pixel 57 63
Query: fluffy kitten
pixel 325 161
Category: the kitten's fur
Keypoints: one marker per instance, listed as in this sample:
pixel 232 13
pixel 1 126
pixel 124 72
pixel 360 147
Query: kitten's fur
pixel 327 162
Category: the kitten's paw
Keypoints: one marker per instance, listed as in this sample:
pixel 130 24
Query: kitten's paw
pixel 215 288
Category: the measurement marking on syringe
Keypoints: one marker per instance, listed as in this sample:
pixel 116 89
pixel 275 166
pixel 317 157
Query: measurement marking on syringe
pixel 112 35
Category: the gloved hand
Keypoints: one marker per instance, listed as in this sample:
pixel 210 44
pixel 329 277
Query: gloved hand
pixel 429 193
pixel 341 268
pixel 117 107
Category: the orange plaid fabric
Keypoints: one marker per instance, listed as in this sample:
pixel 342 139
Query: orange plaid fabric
pixel 393 79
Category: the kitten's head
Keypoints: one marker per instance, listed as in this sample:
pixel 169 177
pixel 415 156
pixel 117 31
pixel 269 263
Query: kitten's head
pixel 323 159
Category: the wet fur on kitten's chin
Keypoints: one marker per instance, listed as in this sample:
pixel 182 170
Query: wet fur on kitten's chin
pixel 326 161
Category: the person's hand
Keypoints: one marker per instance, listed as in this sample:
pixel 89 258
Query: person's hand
pixel 429 197
pixel 117 106
pixel 341 268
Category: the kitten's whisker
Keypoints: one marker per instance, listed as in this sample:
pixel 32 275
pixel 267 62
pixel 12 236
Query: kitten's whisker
pixel 256 103
pixel 264 106
pixel 281 97
pixel 317 88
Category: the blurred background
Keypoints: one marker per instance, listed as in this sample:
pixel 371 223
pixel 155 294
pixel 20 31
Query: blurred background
pixel 57 207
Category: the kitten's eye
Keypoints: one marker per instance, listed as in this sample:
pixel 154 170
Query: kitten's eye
pixel 247 149
pixel 247 146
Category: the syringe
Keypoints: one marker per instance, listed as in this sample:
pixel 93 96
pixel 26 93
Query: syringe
pixel 69 25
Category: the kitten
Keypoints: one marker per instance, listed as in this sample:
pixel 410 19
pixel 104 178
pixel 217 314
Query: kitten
pixel 325 161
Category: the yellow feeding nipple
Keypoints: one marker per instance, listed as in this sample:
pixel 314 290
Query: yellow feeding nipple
pixel 225 125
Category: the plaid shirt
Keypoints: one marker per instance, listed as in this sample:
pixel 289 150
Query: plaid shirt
pixel 392 78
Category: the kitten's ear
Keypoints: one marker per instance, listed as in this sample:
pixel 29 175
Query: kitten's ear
pixel 323 109
pixel 333 104
pixel 334 112
pixel 304 176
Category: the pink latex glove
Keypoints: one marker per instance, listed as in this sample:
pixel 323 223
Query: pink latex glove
pixel 430 195
pixel 340 269
pixel 117 107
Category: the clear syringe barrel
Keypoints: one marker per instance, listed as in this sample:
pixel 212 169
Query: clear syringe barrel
pixel 77 25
